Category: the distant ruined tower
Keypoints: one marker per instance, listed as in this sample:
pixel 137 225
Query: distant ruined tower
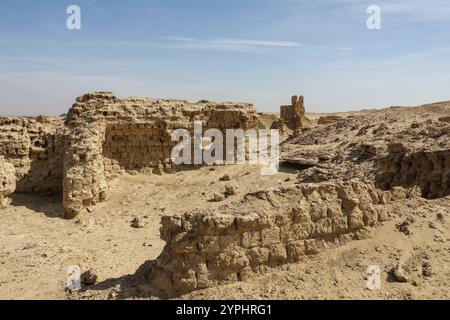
pixel 293 115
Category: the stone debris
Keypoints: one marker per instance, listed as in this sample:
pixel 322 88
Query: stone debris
pixel 219 197
pixel 89 277
pixel 230 190
pixel 405 226
pixel 226 177
pixel 115 292
pixel 137 223
pixel 400 275
pixel 427 270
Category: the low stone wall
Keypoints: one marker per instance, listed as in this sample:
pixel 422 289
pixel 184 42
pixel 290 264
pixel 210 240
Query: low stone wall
pixel 266 229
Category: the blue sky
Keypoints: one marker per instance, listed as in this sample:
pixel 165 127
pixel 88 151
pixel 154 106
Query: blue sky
pixel 260 51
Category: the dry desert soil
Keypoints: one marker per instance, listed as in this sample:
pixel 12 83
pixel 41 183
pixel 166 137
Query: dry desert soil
pixel 37 244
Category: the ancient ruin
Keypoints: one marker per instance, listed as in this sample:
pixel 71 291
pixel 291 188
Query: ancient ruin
pixel 7 180
pixel 267 229
pixel 294 115
pixel 102 137
pixel 343 178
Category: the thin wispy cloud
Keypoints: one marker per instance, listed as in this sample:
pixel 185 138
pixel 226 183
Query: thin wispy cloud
pixel 229 43
pixel 256 43
pixel 186 39
pixel 243 44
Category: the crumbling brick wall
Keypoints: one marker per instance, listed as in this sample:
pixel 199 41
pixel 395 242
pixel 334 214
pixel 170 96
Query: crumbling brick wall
pixel 7 180
pixel 267 229
pixel 430 170
pixel 294 115
pixel 108 136
pixel 102 137
pixel 34 147
pixel 136 147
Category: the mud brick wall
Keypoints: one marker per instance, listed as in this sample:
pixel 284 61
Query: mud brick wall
pixel 35 149
pixel 84 174
pixel 136 147
pixel 107 136
pixel 287 113
pixel 428 170
pixel 7 180
pixel 267 229
pixel 104 136
pixel 294 115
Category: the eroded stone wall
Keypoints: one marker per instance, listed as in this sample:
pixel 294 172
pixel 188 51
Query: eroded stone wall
pixel 35 149
pixel 136 147
pixel 430 170
pixel 7 180
pixel 294 115
pixel 267 229
pixel 108 136
pixel 104 136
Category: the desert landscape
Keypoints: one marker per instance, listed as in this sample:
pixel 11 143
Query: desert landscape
pixel 98 188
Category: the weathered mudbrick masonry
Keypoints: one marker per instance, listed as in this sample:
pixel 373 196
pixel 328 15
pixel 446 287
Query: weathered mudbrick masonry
pixel 107 136
pixel 34 148
pixel 102 137
pixel 267 229
pixel 7 180
pixel 294 115
pixel 430 170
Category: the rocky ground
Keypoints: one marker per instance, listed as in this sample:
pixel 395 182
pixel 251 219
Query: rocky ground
pixel 412 249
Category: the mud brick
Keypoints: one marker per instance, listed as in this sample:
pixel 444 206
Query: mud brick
pixel 251 239
pixel 270 236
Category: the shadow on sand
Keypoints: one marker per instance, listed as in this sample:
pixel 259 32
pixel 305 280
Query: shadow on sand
pixel 50 205
pixel 133 286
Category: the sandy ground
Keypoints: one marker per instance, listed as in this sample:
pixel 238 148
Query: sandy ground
pixel 37 245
